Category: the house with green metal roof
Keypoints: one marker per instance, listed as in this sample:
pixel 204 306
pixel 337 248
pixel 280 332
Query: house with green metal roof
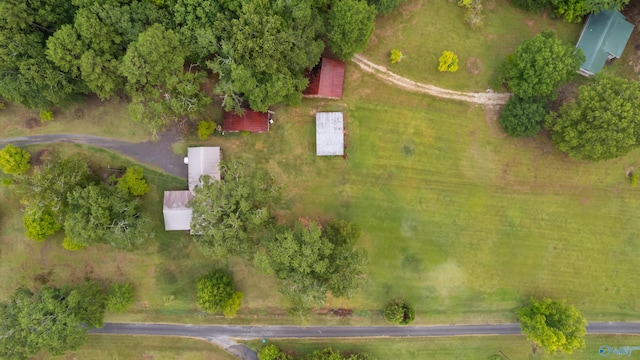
pixel 603 37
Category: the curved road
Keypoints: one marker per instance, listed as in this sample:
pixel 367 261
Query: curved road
pixel 156 153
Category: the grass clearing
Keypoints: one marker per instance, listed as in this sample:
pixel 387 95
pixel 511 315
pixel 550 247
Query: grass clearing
pixel 144 347
pixel 446 348
pixel 94 117
pixel 422 30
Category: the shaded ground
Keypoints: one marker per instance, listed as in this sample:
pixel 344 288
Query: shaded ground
pixel 158 154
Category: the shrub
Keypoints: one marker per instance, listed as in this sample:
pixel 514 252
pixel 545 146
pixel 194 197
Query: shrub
pixel 46 116
pixel 522 117
pixel 473 16
pixel 14 161
pixel 133 181
pixel 448 61
pixel 216 294
pixel 399 311
pixel 272 352
pixel 71 245
pixel 395 56
pixel 38 227
pixel 634 179
pixel 120 297
pixel 206 128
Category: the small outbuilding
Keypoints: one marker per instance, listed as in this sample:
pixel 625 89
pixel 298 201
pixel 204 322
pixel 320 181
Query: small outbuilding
pixel 329 134
pixel 200 161
pixel 326 80
pixel 603 37
pixel 250 120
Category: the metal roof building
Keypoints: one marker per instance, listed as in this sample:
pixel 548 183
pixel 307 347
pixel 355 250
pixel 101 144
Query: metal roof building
pixel 250 120
pixel 329 134
pixel 200 161
pixel 603 37
pixel 326 80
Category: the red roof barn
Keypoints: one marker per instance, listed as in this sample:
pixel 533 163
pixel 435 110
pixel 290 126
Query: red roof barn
pixel 250 120
pixel 326 80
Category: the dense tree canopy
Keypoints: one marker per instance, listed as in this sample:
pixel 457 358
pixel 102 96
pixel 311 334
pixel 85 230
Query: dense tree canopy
pixel 311 262
pixel 228 213
pixel 351 24
pixel 540 65
pixel 602 123
pixel 216 293
pixel 52 319
pixel 556 326
pixel 575 10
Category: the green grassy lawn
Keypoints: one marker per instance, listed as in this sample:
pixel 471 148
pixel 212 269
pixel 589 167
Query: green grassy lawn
pixel 460 348
pixel 94 117
pixel 114 347
pixel 423 29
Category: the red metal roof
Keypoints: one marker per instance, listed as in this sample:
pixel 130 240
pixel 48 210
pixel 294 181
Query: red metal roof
pixel 326 81
pixel 252 121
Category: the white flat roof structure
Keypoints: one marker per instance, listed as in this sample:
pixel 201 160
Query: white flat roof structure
pixel 203 161
pixel 200 161
pixel 329 134
pixel 177 216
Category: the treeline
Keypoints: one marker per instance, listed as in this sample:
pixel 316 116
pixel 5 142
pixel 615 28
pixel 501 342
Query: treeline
pixel 158 52
pixel 570 10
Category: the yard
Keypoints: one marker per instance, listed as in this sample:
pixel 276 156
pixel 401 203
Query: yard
pixel 422 30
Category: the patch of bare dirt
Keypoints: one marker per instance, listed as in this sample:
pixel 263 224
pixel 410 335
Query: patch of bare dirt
pixel 474 66
pixel 566 92
pixel 530 24
pixel 32 123
pixel 491 115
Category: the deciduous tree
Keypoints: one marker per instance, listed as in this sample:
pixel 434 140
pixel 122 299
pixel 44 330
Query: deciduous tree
pixel 399 311
pixel 522 117
pixel 133 181
pixel 14 161
pixel 216 293
pixel 602 123
pixel 351 24
pixel 540 65
pixel 227 213
pixel 553 324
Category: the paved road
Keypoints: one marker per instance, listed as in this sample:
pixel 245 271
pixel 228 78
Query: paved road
pixel 157 153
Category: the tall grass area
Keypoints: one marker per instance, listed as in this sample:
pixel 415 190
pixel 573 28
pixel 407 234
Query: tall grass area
pixel 144 347
pixel 447 348
pixel 423 29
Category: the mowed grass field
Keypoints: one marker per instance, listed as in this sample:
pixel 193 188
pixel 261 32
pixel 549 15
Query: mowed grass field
pixel 115 347
pixel 459 348
pixel 423 29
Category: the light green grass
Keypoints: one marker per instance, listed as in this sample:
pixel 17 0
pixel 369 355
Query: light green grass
pixel 103 347
pixel 459 348
pixel 108 119
pixel 423 29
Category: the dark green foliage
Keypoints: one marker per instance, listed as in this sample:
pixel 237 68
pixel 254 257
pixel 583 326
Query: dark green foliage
pixel 216 293
pixel 602 123
pixel 311 263
pixel 55 320
pixel 265 48
pixel 228 213
pixel 575 10
pixel 351 24
pixel 385 6
pixel 44 194
pixel 399 311
pixel 553 324
pixel 120 297
pixel 97 214
pixel 522 117
pixel 540 65
pixel 272 352
pixel 133 182
pixel 14 161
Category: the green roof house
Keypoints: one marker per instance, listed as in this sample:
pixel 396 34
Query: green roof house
pixel 603 37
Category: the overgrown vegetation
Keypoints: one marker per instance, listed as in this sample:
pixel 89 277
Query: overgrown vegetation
pixel 272 352
pixel 570 10
pixel 399 311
